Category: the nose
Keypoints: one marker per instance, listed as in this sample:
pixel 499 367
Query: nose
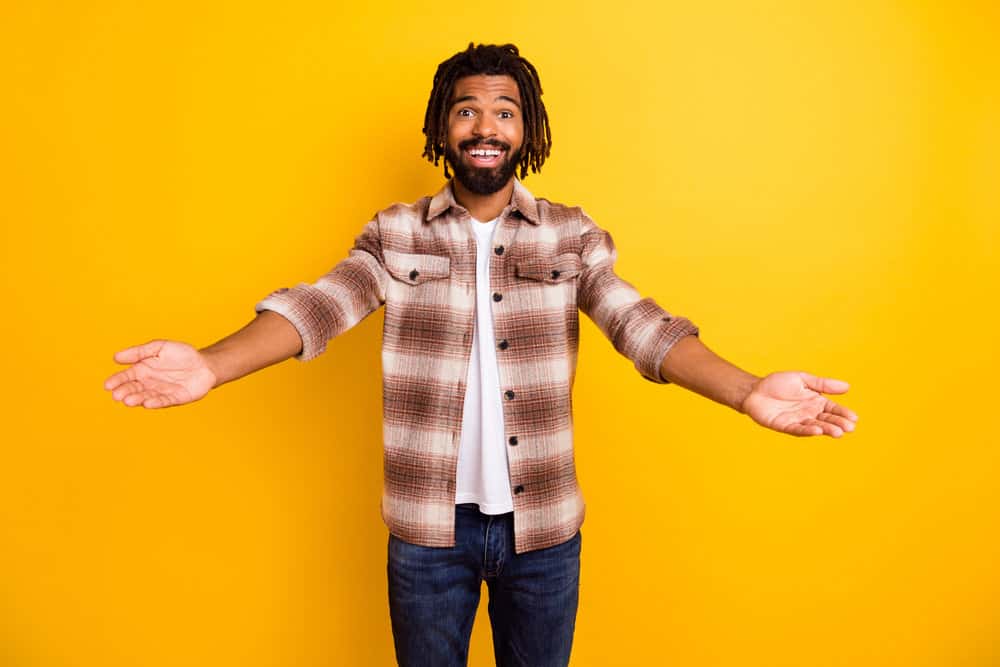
pixel 485 126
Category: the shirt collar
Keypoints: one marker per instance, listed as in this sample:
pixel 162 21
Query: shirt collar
pixel 522 201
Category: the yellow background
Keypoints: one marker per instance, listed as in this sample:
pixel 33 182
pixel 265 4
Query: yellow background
pixel 815 186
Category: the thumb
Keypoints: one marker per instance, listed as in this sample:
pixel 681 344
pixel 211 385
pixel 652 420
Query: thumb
pixel 131 355
pixel 824 385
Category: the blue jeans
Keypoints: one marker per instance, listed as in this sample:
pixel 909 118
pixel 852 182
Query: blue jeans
pixel 434 593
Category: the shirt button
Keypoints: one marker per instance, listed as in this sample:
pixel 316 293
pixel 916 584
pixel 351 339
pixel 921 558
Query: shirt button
pixel 554 274
pixel 413 274
pixel 512 440
pixel 497 296
pixel 498 250
pixel 503 345
pixel 509 394
pixel 518 490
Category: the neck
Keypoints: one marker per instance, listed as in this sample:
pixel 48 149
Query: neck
pixel 483 207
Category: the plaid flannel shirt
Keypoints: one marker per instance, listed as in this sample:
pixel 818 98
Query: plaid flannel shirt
pixel 419 261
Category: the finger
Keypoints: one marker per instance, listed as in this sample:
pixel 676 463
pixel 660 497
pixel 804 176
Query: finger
pixel 157 401
pixel 829 429
pixel 824 385
pixel 118 378
pixel 803 429
pixel 837 409
pixel 135 398
pixel 147 399
pixel 815 427
pixel 845 424
pixel 131 355
pixel 124 390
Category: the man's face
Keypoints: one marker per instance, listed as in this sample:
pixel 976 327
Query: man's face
pixel 485 132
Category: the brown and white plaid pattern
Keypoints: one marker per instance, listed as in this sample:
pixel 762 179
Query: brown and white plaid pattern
pixel 419 260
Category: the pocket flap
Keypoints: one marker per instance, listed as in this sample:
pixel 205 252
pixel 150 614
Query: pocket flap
pixel 551 269
pixel 414 269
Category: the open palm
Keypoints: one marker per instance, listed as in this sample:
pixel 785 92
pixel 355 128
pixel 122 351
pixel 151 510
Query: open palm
pixel 164 373
pixel 793 402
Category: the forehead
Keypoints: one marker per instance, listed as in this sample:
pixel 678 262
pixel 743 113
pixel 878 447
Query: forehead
pixel 486 88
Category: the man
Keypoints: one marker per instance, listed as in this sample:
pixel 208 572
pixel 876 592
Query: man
pixel 482 284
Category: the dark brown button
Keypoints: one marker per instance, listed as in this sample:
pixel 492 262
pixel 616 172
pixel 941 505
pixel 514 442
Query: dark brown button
pixel 518 490
pixel 498 250
pixel 497 296
pixel 509 394
pixel 413 274
pixel 555 274
pixel 512 440
pixel 503 345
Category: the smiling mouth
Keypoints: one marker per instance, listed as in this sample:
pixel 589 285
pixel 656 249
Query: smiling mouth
pixel 485 155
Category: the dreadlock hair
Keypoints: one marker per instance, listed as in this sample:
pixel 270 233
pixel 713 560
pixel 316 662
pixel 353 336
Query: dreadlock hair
pixel 489 59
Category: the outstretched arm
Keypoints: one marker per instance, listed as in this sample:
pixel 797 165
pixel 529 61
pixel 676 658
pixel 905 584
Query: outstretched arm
pixel 164 373
pixel 789 402
pixel 295 322
pixel 266 340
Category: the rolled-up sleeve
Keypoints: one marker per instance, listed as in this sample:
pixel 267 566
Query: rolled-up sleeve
pixel 341 298
pixel 638 328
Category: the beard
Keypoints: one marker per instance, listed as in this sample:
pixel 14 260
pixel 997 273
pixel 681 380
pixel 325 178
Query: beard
pixel 482 180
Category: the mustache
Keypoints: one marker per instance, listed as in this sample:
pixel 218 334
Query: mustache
pixel 495 143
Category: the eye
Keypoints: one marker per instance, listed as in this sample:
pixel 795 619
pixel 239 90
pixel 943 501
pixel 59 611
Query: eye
pixel 466 113
pixel 506 115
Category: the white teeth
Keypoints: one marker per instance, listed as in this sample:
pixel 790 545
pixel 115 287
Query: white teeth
pixel 484 153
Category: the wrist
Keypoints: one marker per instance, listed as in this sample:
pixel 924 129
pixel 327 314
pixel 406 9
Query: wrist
pixel 744 390
pixel 212 364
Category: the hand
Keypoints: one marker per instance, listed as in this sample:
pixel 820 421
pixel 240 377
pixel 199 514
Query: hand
pixel 793 402
pixel 164 373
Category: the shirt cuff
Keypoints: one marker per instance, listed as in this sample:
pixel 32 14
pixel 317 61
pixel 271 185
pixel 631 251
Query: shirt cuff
pixel 671 330
pixel 294 306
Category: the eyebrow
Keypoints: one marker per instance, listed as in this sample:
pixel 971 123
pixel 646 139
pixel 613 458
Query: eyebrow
pixel 473 98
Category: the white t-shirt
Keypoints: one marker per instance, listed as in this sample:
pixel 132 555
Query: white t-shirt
pixel 483 477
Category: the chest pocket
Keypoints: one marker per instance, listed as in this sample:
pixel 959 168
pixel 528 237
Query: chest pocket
pixel 414 269
pixel 552 269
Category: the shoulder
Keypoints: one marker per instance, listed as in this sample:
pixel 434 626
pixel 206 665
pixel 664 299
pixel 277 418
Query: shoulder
pixel 570 219
pixel 556 213
pixel 577 230
pixel 402 215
